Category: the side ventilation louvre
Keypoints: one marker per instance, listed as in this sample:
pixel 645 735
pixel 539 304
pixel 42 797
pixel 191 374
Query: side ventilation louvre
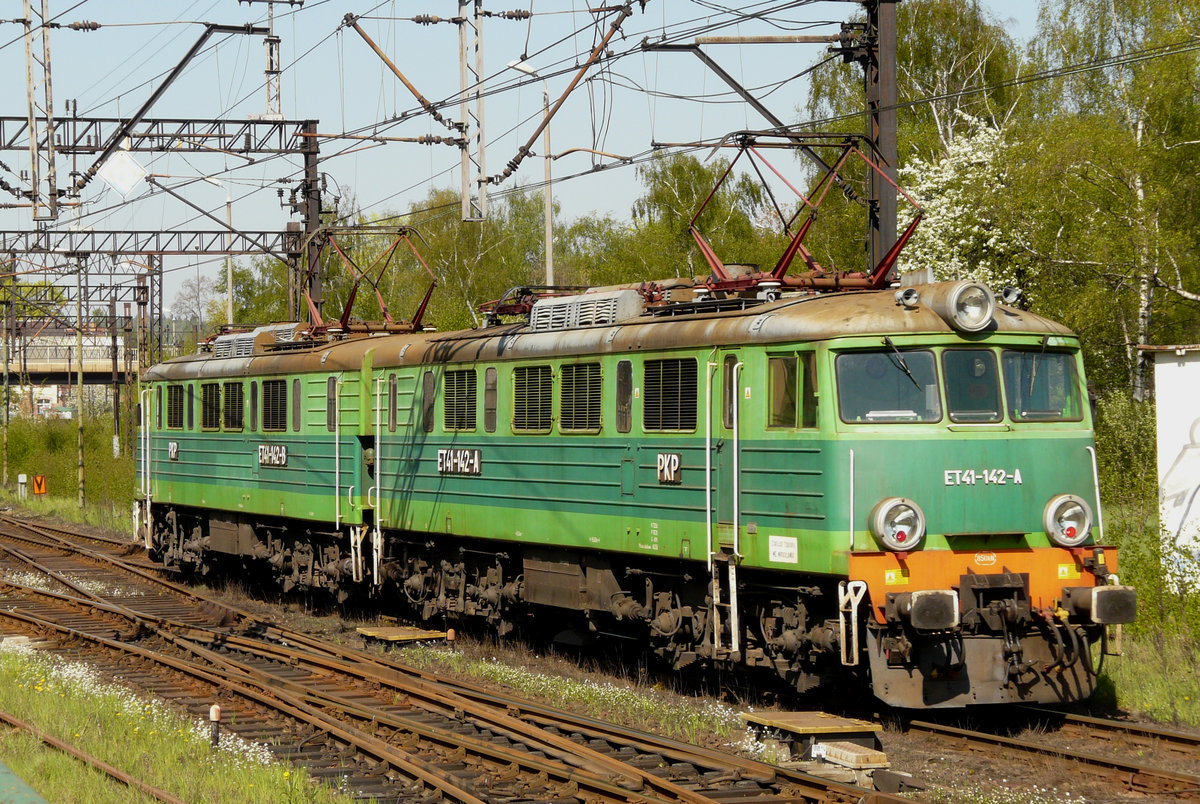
pixel 585 310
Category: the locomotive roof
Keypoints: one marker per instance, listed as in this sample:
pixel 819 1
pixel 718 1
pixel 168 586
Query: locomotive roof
pixel 791 319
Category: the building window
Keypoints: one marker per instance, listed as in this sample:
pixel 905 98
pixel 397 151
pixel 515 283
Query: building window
pixel 392 390
pixel 274 417
pixel 174 407
pixel 489 399
pixel 670 395
pixel 624 396
pixel 235 406
pixel 579 403
pixel 428 387
pixel 331 404
pixel 458 400
pixel 210 406
pixel 532 398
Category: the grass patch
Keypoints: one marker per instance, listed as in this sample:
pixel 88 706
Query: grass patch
pixel 694 721
pixel 109 517
pixel 141 736
pixel 1162 682
pixel 50 447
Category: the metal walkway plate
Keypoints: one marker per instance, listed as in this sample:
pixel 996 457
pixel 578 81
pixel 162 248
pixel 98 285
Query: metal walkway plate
pixel 399 633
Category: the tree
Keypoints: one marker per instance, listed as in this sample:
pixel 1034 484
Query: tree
pixel 676 186
pixel 1132 163
pixel 965 232
pixel 192 307
pixel 953 62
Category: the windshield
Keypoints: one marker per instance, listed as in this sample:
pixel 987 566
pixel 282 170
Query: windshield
pixel 1041 386
pixel 888 386
pixel 972 385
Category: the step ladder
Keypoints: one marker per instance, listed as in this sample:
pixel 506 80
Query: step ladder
pixel 724 603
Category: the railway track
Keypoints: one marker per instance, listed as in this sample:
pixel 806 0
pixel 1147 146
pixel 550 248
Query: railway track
pixel 1120 768
pixel 387 730
pixel 1123 735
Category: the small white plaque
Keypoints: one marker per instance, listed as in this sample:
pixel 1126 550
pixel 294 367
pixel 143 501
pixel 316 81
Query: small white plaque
pixel 783 549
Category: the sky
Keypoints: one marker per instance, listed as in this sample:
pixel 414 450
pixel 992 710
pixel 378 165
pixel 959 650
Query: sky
pixel 331 75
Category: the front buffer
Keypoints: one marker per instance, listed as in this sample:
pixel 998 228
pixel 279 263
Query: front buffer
pixel 951 628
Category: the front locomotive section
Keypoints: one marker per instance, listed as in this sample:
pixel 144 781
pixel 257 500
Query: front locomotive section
pixel 821 488
pixel 974 502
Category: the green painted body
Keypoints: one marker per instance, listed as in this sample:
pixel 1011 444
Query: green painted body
pixel 600 490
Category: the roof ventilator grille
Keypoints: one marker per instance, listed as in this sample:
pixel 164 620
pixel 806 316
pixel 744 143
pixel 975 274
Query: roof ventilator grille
pixel 240 344
pixel 585 310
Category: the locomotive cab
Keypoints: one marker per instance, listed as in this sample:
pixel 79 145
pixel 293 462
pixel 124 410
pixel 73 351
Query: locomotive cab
pixel 976 520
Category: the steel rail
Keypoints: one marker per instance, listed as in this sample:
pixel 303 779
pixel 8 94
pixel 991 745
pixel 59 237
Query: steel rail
pixel 522 717
pixel 1136 776
pixel 116 773
pixel 575 755
pixel 1182 741
pixel 223 672
pixel 277 701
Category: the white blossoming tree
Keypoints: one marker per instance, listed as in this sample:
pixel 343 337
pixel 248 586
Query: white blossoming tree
pixel 963 234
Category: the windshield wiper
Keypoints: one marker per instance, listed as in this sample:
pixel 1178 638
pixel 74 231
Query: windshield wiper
pixel 903 365
pixel 1037 359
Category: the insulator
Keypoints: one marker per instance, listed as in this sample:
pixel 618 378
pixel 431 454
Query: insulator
pixel 428 19
pixel 84 25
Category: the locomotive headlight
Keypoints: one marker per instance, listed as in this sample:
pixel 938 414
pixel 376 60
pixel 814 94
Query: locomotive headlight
pixel 973 306
pixel 898 523
pixel 1068 520
pixel 966 306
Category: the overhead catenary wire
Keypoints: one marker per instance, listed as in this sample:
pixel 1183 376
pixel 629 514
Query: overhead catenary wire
pixel 611 77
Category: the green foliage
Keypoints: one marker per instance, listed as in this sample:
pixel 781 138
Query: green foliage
pixel 31 299
pixel 142 737
pixel 1159 671
pixel 1125 453
pixel 50 447
pixel 733 222
pixel 944 47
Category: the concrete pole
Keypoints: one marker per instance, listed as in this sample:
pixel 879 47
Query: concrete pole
pixel 229 257
pixel 8 306
pixel 79 353
pixel 116 381
pixel 548 195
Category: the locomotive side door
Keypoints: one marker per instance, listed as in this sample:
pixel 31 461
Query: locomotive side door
pixel 726 403
pixel 726 409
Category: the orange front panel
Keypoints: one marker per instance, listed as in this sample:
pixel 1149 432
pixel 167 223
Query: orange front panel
pixel 1049 570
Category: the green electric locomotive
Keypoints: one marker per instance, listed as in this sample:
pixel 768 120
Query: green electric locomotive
pixel 899 485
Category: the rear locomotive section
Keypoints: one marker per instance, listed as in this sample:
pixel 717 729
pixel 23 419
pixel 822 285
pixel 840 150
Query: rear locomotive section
pixel 894 488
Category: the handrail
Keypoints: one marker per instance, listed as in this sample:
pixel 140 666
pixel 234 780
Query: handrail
pixel 1096 480
pixel 708 519
pixel 734 619
pixel 851 499
pixel 337 450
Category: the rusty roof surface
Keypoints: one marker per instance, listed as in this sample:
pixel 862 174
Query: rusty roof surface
pixel 791 319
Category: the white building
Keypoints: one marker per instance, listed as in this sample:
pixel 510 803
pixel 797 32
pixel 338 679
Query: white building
pixel 1177 392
